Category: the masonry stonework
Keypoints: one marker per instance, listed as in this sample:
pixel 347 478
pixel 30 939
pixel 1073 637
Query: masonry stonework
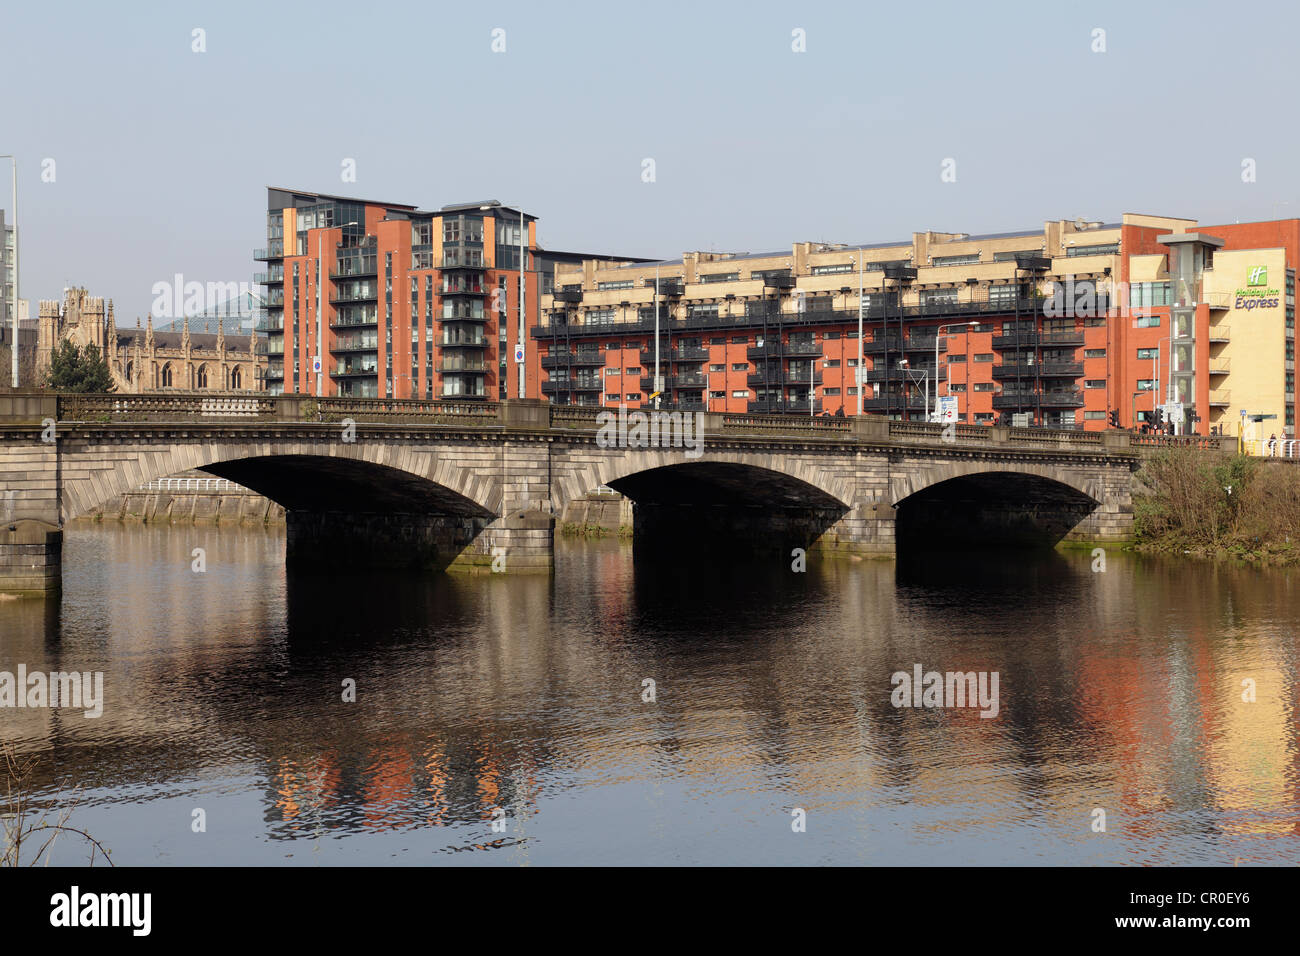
pixel 485 496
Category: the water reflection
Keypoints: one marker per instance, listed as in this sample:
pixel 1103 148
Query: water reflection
pixel 1120 690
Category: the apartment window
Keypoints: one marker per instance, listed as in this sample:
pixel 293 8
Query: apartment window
pixel 719 340
pixel 983 386
pixel 696 311
pixel 1147 294
pixel 1094 353
pixel 634 396
pixel 740 393
pixel 739 366
pixel 1002 294
pixel 830 336
pixel 720 277
pixel 1094 383
pixel 970 259
pixel 717 368
pixel 613 286
pixel 611 346
pixel 632 345
pixel 851 363
pixel 632 370
pixel 717 394
pixel 939 297
pixel 852 390
pixel 956 359
pixel 830 391
pixel 984 357
pixel 1146 384
pixel 1146 353
pixel 1094 416
pixel 832 269
pixel 611 372
pixel 832 363
pixel 739 339
pixel 1010 255
pixel 1094 321
pixel 956 387
pixel 611 396
pixel 983 416
pixel 1146 322
pixel 600 317
pixel 1100 249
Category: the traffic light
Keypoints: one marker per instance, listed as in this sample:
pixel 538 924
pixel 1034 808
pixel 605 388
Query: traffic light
pixel 1114 418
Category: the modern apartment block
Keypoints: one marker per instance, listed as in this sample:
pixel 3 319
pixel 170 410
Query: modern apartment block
pixel 405 303
pixel 1073 325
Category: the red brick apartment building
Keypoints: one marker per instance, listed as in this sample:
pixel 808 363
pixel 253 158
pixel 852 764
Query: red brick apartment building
pixel 1076 325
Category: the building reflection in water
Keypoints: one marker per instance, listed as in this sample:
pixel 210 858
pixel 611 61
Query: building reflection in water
pixel 1119 690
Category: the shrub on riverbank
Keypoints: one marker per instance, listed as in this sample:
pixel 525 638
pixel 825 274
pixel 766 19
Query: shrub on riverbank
pixel 1188 500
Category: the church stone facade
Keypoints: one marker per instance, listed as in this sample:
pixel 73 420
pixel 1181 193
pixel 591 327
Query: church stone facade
pixel 143 360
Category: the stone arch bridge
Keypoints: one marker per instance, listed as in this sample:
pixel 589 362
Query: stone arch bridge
pixel 467 485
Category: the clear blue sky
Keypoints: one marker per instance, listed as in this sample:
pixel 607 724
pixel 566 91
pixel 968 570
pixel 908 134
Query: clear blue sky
pixel 163 155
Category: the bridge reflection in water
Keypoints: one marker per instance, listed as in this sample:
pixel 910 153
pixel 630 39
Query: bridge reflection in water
pixel 1119 690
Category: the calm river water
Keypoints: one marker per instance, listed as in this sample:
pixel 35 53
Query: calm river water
pixel 521 699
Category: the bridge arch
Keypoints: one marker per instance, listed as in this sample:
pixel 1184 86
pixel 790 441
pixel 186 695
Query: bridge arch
pixel 981 504
pixel 793 481
pixel 723 501
pixel 302 475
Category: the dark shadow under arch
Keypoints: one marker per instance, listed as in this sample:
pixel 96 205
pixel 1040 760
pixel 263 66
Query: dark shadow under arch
pixel 345 512
pixel 989 510
pixel 725 507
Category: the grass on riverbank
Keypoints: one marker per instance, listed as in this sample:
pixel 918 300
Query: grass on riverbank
pixel 1183 503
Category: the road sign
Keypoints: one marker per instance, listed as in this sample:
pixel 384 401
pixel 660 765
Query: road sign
pixel 1174 411
pixel 945 408
pixel 860 374
pixel 1021 419
pixel 519 355
pixel 315 365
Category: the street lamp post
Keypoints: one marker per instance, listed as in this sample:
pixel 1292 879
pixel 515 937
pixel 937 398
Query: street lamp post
pixel 905 365
pixel 861 371
pixel 13 302
pixel 656 385
pixel 520 348
pixel 812 385
pixel 523 288
pixel 1133 408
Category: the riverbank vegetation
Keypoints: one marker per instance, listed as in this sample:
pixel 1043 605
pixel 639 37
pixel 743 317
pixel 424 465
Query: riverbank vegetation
pixel 27 826
pixel 1220 505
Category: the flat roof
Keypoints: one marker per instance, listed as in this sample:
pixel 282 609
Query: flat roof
pixel 1174 238
pixel 333 198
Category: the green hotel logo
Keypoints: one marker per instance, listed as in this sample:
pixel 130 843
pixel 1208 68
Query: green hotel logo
pixel 1258 276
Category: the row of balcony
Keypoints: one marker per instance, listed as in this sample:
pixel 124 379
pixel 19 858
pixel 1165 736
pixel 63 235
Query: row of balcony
pixel 1048 398
pixel 1038 370
pixel 873 311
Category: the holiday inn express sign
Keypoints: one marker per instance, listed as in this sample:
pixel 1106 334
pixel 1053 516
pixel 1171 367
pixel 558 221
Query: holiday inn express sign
pixel 1256 294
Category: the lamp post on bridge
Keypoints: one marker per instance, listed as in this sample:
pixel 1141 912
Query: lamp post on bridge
pixel 925 385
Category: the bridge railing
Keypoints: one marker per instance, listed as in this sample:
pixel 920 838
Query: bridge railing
pixel 929 431
pixel 403 411
pixel 788 424
pixel 173 407
pixel 164 407
pixel 1198 442
pixel 1055 436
